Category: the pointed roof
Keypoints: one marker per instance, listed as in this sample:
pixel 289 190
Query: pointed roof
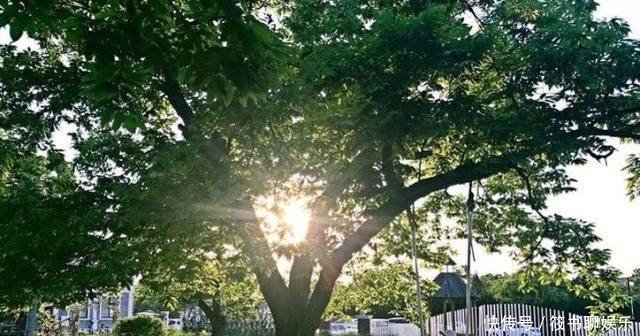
pixel 451 286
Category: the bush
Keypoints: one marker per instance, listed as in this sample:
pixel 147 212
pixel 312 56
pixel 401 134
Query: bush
pixel 140 326
pixel 173 332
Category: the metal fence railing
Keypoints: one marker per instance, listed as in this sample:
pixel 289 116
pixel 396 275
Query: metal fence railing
pixel 529 320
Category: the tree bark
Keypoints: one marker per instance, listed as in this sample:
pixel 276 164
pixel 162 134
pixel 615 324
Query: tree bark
pixel 300 311
pixel 214 314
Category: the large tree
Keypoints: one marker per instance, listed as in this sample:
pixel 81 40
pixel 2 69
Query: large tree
pixel 60 228
pixel 105 72
pixel 385 105
pixel 415 101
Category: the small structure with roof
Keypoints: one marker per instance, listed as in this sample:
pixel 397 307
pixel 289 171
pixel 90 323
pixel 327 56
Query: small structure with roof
pixel 452 292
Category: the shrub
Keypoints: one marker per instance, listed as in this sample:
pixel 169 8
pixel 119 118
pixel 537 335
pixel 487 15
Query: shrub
pixel 140 326
pixel 173 332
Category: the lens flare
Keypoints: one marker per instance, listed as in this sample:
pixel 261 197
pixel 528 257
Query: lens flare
pixel 296 216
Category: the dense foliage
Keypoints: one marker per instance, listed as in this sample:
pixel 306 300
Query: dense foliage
pixel 382 292
pixel 102 70
pixel 632 286
pixel 222 289
pixel 48 249
pixel 192 120
pixel 510 288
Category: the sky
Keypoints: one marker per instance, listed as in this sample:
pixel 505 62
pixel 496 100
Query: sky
pixel 601 188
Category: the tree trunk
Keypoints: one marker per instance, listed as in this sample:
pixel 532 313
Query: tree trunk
pixel 304 324
pixel 298 327
pixel 301 314
pixel 214 314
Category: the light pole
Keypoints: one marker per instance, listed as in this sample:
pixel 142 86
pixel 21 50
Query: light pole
pixel 470 206
pixel 629 285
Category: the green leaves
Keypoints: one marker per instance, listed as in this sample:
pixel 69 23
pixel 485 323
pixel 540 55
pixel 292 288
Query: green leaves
pixel 633 181
pixel 16 27
pixel 140 326
pixel 385 291
pixel 17 21
pixel 179 109
pixel 52 236
pixel 510 289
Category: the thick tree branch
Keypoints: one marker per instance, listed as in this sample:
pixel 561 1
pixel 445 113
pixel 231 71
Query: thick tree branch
pixel 171 88
pixel 304 263
pixel 302 268
pixel 256 247
pixel 385 214
pixel 380 217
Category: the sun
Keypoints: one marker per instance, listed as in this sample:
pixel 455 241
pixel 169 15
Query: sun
pixel 296 217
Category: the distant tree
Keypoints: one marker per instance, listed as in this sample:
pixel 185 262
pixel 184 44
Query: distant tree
pixel 633 291
pixel 221 287
pixel 510 288
pixel 51 249
pixel 383 291
pixel 75 310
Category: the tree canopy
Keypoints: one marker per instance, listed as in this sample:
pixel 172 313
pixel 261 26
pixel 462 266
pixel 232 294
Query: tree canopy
pixel 206 113
pixel 50 245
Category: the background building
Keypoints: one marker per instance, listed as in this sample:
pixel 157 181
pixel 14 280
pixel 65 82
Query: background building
pixel 100 314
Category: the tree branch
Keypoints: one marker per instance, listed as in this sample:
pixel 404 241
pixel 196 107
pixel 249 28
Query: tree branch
pixel 304 263
pixel 380 217
pixel 598 156
pixel 469 6
pixel 383 215
pixel 171 88
pixel 536 208
pixel 256 247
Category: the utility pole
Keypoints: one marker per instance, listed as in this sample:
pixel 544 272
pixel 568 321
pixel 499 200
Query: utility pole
pixel 470 206
pixel 629 284
pixel 31 323
pixel 416 269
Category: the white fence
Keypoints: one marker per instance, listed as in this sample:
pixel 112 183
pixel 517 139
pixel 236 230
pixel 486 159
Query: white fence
pixel 382 327
pixel 489 320
pixel 404 329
